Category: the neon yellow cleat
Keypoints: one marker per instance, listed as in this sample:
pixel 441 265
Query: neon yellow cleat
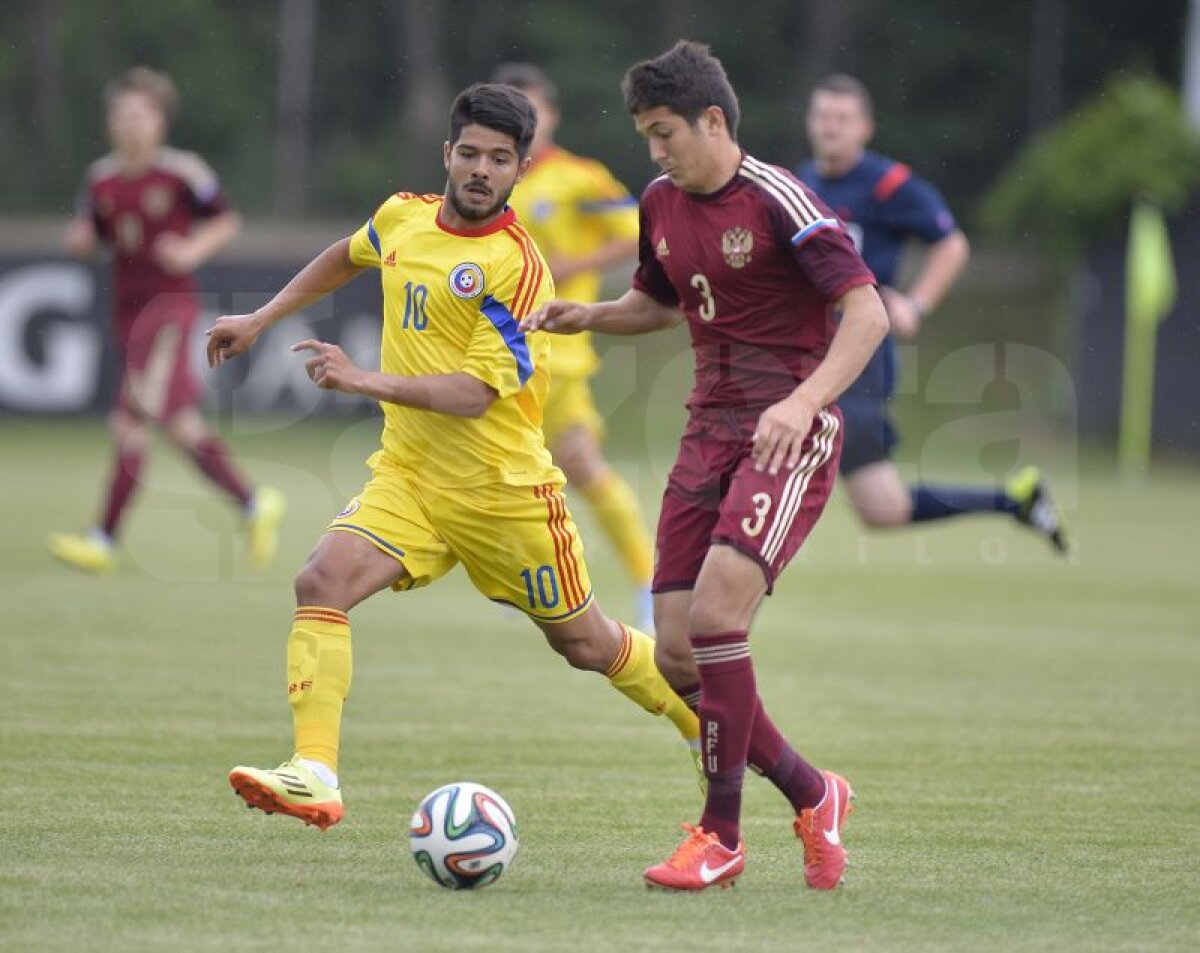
pixel 266 514
pixel 290 789
pixel 1037 509
pixel 88 553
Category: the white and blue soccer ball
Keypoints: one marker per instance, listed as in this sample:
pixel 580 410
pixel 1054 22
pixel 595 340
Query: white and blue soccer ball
pixel 463 836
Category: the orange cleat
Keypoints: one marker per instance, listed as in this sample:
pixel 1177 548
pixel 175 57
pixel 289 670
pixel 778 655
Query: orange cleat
pixel 701 861
pixel 820 828
pixel 290 789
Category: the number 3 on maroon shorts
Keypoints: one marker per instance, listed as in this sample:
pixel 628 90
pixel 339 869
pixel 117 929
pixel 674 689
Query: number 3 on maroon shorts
pixel 769 517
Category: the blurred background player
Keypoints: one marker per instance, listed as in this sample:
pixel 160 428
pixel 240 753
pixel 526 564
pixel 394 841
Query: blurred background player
pixel 164 215
pixel 463 474
pixel 584 221
pixel 884 205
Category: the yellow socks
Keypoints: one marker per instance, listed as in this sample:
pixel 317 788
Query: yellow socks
pixel 318 673
pixel 634 674
pixel 616 510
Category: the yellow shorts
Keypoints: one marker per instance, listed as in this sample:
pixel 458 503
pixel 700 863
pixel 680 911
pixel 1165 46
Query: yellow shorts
pixel 518 544
pixel 570 404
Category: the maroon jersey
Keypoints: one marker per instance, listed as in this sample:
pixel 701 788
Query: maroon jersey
pixel 132 212
pixel 755 267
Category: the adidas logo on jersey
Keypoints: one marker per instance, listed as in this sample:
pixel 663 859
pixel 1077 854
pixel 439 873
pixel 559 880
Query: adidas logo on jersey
pixel 390 261
pixel 661 249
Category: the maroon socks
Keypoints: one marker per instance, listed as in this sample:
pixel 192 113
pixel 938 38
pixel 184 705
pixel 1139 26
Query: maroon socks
pixel 126 468
pixel 725 667
pixel 727 705
pixel 214 462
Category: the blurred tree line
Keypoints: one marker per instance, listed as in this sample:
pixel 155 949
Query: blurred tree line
pixel 317 107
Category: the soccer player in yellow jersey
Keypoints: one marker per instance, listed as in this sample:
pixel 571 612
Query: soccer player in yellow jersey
pixel 463 474
pixel 584 221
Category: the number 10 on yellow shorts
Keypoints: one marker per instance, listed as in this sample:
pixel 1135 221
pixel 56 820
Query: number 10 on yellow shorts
pixel 518 544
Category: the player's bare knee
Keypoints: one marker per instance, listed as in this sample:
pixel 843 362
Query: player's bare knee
pixel 581 651
pixel 185 430
pixel 577 453
pixel 584 471
pixel 879 496
pixel 586 655
pixel 314 584
pixel 675 662
pixel 709 613
pixel 887 515
pixel 588 642
pixel 127 431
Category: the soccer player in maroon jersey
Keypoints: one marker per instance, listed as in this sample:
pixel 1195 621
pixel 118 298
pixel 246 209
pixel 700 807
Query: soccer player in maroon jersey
pixel 759 268
pixel 164 215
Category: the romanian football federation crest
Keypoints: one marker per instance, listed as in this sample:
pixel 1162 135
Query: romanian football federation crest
pixel 466 280
pixel 736 245
pixel 350 510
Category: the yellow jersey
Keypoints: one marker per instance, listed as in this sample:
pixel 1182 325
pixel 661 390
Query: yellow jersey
pixel 573 206
pixel 452 300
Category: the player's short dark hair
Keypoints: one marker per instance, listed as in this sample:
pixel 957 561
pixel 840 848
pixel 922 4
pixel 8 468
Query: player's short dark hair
pixel 141 79
pixel 686 79
pixel 527 78
pixel 846 85
pixel 501 108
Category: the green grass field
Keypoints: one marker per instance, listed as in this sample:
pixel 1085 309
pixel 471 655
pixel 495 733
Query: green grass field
pixel 1023 735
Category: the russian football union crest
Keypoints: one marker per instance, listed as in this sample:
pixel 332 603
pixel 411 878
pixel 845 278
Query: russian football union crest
pixel 157 200
pixel 736 245
pixel 466 280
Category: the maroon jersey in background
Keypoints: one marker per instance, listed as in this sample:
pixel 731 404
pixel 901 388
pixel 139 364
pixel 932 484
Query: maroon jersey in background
pixel 132 212
pixel 755 267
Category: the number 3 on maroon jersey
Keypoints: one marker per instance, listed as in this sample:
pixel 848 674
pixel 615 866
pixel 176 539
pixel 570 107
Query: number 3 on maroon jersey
pixel 708 307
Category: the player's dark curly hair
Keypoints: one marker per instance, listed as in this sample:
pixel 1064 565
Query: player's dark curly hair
pixel 501 108
pixel 686 79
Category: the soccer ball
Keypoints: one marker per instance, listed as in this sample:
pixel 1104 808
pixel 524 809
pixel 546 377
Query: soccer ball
pixel 463 836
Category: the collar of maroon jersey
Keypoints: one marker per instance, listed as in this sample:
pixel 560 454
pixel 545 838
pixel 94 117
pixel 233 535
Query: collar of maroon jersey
pixel 724 189
pixel 141 171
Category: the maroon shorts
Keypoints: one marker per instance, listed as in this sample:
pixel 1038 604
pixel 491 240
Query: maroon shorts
pixel 714 495
pixel 156 375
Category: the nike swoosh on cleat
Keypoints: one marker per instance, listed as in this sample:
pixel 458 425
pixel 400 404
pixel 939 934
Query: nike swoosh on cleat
pixel 709 874
pixel 832 836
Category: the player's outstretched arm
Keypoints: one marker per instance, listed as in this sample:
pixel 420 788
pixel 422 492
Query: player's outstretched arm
pixel 944 262
pixel 183 254
pixel 460 394
pixel 635 312
pixel 234 334
pixel 781 429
